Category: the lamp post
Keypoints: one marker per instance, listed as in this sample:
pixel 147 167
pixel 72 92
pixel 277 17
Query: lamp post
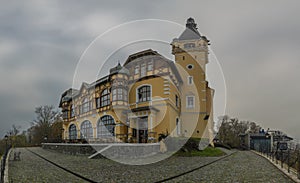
pixel 6 139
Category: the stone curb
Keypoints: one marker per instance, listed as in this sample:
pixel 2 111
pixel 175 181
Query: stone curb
pixel 291 175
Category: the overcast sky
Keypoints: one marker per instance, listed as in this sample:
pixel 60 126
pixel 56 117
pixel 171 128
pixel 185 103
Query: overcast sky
pixel 257 45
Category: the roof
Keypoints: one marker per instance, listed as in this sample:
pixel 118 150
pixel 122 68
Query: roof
pixel 190 31
pixel 119 69
pixel 150 52
pixel 141 54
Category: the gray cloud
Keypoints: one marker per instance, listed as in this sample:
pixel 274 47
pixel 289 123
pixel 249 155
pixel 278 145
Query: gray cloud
pixel 256 44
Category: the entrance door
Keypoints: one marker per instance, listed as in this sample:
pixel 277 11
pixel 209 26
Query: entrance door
pixel 142 129
pixel 143 136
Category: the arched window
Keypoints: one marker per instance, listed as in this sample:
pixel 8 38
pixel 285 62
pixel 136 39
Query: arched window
pixel 72 132
pixel 86 130
pixel 106 127
pixel 105 99
pixel 85 107
pixel 144 93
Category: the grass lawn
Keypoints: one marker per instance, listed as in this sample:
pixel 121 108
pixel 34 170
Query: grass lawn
pixel 207 152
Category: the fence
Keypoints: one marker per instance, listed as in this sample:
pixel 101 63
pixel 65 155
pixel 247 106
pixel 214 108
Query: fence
pixel 3 162
pixel 288 159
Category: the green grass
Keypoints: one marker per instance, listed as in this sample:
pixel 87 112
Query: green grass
pixel 207 152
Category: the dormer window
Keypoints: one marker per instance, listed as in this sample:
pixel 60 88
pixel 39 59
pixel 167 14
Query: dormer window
pixel 150 65
pixel 189 45
pixel 143 69
pixel 137 69
pixel 85 105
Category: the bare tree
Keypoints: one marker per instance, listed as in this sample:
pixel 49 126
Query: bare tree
pixel 231 128
pixel 45 117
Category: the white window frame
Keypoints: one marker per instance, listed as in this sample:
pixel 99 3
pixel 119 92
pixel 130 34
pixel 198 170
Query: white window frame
pixel 187 102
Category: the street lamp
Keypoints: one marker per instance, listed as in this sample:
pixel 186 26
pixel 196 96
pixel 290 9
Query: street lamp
pixel 6 139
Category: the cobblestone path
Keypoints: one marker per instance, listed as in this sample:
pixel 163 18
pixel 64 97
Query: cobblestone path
pixel 33 169
pixel 244 166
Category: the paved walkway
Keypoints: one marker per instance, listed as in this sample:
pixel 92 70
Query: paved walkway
pixel 244 166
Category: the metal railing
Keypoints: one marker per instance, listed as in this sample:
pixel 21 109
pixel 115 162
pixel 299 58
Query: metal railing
pixel 287 159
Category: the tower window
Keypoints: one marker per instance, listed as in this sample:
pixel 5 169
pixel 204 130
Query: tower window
pixel 183 57
pixel 177 100
pixel 189 45
pixel 190 66
pixel 190 101
pixel 190 80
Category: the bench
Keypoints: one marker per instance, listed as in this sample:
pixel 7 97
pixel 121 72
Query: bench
pixel 17 156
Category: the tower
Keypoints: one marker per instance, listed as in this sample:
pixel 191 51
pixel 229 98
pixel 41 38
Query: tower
pixel 191 56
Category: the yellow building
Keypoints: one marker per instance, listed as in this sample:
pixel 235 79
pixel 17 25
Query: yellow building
pixel 148 97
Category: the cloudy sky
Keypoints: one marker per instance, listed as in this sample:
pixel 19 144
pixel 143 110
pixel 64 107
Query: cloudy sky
pixel 257 45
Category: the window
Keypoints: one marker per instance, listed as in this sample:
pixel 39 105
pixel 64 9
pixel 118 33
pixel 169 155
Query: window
pixel 144 93
pixel 137 69
pixel 106 127
pixel 177 100
pixel 189 45
pixel 72 132
pixel 114 94
pixel 72 111
pixel 178 126
pixel 183 57
pixel 190 66
pixel 120 94
pixel 65 114
pixel 86 130
pixel 105 98
pixel 150 65
pixel 190 102
pixel 143 70
pixel 190 80
pixel 98 102
pixel 85 107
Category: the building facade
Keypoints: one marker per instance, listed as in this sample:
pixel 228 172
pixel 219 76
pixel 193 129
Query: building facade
pixel 147 97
